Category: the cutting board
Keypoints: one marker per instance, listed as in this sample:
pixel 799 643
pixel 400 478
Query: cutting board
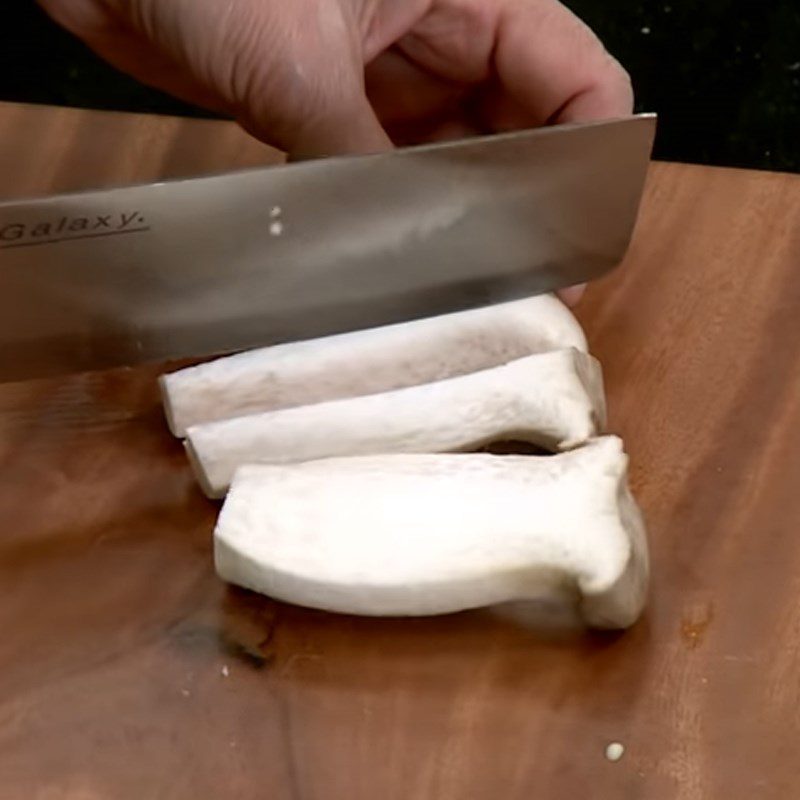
pixel 128 670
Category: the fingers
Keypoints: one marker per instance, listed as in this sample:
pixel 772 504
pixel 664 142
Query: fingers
pixel 609 96
pixel 295 76
pixel 102 29
pixel 313 122
pixel 138 58
pixel 289 76
pixel 552 68
pixel 295 79
pixel 493 65
pixel 352 128
pixel 77 16
pixel 571 295
pixel 413 104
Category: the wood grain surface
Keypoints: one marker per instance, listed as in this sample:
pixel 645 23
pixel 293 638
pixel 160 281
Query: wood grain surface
pixel 127 670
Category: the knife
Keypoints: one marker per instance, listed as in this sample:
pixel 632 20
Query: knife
pixel 212 265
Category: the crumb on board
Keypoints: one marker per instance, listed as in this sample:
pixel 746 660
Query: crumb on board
pixel 615 751
pixel 225 671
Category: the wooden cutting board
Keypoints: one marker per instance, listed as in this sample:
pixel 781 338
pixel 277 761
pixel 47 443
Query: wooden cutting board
pixel 127 670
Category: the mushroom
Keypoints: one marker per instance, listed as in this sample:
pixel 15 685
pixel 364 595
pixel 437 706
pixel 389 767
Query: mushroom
pixel 553 400
pixel 368 361
pixel 406 535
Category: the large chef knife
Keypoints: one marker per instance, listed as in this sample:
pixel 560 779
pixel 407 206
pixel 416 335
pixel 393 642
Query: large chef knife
pixel 216 264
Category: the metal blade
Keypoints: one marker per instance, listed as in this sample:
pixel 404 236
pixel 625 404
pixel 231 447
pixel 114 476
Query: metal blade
pixel 217 264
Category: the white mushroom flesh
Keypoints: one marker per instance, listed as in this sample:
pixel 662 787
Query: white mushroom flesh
pixel 367 362
pixel 553 400
pixel 430 534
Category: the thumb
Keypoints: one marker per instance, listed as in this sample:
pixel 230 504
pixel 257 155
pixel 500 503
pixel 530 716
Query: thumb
pixel 346 128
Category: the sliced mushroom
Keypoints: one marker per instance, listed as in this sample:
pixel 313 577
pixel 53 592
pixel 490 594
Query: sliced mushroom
pixel 553 400
pixel 366 362
pixel 405 535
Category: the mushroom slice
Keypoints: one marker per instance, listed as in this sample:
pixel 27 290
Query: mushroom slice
pixel 553 400
pixel 407 535
pixel 368 361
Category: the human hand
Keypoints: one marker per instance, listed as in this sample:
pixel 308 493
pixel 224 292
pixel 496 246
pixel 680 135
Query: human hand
pixel 320 77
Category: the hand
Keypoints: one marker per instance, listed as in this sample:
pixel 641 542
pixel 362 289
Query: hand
pixel 319 77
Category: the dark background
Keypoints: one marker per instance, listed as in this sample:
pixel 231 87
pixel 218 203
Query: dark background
pixel 724 75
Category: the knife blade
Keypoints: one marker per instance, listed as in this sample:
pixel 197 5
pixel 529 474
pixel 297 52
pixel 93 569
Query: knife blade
pixel 212 265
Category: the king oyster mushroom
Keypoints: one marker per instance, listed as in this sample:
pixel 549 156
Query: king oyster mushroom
pixel 401 535
pixel 366 362
pixel 554 400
